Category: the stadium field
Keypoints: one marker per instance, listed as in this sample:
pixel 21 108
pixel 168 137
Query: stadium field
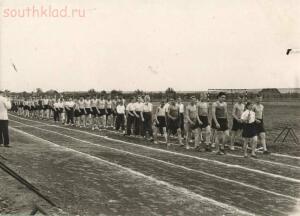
pixel 103 173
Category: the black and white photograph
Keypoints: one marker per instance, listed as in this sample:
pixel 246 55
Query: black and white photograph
pixel 150 107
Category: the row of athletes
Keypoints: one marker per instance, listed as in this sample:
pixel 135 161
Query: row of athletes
pixel 169 118
pixel 214 126
pixel 77 111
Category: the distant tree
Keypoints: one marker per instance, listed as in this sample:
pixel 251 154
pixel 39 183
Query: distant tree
pixel 103 93
pixel 170 93
pixel 138 92
pixel 6 92
pixel 52 93
pixel 39 91
pixel 115 93
pixel 24 94
pixel 92 92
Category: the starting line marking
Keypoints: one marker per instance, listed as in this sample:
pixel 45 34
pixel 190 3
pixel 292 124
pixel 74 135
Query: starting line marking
pixel 159 182
pixel 179 166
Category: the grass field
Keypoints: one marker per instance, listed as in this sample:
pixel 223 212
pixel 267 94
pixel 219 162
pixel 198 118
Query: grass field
pixel 103 173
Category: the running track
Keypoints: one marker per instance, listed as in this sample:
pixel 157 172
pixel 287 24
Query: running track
pixel 267 186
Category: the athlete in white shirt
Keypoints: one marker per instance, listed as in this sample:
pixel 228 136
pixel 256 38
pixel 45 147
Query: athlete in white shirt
pixel 121 115
pixel 138 124
pixel 69 106
pixel 102 110
pixel 95 112
pixel 237 125
pixel 130 108
pixel 146 117
pixel 249 129
pixel 181 115
pixel 88 111
pixel 109 112
pixel 82 112
pixel 56 115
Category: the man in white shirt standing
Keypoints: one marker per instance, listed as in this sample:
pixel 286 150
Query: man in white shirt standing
pixel 69 106
pixel 146 116
pixel 130 116
pixel 138 124
pixel 5 105
pixel 120 120
pixel 181 115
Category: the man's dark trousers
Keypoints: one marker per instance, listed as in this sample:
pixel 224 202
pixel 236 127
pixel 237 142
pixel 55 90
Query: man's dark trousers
pixel 4 138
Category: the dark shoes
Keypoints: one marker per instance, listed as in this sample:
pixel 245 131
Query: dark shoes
pixel 7 146
pixel 266 152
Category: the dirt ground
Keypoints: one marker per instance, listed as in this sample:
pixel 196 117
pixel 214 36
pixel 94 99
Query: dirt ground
pixel 103 173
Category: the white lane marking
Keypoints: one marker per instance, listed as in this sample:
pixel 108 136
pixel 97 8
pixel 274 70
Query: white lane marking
pixel 185 155
pixel 233 155
pixel 276 154
pixel 171 164
pixel 158 182
pixel 287 156
pixel 23 126
pixel 269 162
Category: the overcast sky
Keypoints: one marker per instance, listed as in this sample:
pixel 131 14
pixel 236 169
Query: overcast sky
pixel 152 45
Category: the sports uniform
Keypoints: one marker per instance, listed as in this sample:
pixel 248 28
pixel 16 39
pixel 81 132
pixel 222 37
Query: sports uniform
pixel 258 109
pixel 238 109
pixel 203 108
pixel 221 116
pixel 130 117
pixel 138 125
pixel 147 115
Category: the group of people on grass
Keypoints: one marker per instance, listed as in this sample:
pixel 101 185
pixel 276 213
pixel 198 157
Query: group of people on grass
pixel 198 121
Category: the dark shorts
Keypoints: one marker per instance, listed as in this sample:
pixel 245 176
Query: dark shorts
pixel 109 111
pixel 45 107
pixel 204 120
pixel 82 111
pixel 94 111
pixel 26 107
pixel 77 113
pixel 61 110
pixel 223 124
pixel 173 125
pixel 88 111
pixel 249 130
pixel 161 122
pixel 236 125
pixel 192 126
pixel 102 112
pixel 259 127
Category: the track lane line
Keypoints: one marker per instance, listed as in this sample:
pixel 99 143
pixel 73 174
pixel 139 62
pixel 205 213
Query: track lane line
pixel 176 153
pixel 158 182
pixel 233 155
pixel 274 154
pixel 174 165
